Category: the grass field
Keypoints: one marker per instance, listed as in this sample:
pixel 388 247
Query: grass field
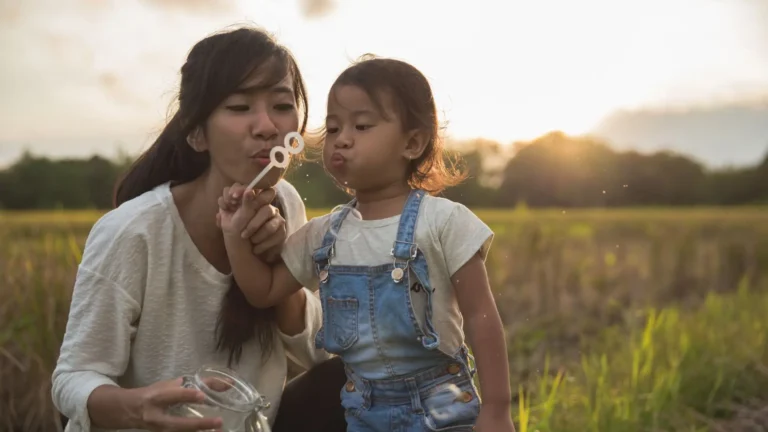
pixel 620 320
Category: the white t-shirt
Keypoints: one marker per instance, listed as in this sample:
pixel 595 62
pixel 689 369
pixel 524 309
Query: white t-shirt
pixel 448 234
pixel 145 305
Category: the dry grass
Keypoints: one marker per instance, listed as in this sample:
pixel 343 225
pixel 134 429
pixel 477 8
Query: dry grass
pixel 562 279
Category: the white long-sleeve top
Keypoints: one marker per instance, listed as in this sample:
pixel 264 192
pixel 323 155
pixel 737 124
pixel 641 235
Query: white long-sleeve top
pixel 145 305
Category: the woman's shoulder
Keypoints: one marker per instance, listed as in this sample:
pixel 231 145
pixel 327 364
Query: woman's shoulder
pixel 133 219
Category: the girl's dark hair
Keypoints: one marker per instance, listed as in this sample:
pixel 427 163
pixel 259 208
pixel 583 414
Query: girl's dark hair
pixel 215 67
pixel 414 105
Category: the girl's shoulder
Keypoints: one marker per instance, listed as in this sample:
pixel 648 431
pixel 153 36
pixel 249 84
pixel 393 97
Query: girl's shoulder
pixel 441 213
pixel 456 231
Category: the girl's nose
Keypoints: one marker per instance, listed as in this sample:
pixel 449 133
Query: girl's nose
pixel 344 140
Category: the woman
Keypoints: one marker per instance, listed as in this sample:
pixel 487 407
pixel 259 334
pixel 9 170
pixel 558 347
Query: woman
pixel 154 298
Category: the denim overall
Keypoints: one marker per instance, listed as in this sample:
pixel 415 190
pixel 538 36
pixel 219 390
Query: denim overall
pixel 397 378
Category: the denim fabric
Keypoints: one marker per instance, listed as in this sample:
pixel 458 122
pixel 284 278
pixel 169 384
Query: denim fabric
pixel 398 379
pixel 442 398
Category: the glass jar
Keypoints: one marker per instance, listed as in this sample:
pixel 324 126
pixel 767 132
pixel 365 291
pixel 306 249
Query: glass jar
pixel 227 396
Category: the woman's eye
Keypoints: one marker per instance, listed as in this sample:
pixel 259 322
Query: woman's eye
pixel 238 108
pixel 284 107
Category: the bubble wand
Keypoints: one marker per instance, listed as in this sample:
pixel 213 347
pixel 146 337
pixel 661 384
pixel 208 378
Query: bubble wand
pixel 285 151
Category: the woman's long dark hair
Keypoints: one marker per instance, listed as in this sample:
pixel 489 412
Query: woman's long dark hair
pixel 215 67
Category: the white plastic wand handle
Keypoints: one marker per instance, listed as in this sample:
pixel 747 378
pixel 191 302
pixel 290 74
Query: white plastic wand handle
pixel 286 150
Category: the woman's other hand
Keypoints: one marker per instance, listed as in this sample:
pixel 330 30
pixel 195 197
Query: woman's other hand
pixel 265 229
pixel 267 233
pixel 152 405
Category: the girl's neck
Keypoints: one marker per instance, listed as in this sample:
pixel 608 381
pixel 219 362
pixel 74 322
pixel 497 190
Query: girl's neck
pixel 382 202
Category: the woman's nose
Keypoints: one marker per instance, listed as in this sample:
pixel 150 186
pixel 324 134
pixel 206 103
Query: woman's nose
pixel 263 127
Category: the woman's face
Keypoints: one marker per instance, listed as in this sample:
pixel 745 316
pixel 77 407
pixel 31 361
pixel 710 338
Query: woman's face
pixel 242 130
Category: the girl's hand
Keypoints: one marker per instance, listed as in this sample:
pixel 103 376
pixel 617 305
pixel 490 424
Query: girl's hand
pixel 238 206
pixel 229 202
pixel 265 228
pixel 493 419
pixel 154 401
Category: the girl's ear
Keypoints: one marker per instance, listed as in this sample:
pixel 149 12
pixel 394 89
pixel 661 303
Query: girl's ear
pixel 415 144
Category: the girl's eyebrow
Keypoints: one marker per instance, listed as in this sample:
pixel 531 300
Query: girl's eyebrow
pixel 354 114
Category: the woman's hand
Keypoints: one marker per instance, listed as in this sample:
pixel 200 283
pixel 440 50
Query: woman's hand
pixel 154 401
pixel 267 233
pixel 265 229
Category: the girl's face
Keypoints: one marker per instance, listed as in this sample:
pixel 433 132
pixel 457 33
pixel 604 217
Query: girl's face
pixel 364 148
pixel 242 130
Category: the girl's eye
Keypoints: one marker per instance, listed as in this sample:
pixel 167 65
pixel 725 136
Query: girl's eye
pixel 363 127
pixel 284 107
pixel 332 130
pixel 238 108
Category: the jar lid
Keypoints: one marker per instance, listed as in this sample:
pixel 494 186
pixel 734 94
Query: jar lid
pixel 225 388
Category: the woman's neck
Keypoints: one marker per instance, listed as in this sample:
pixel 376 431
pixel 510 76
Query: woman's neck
pixel 197 205
pixel 382 202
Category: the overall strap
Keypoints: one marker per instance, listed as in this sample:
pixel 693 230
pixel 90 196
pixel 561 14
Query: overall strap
pixel 325 252
pixel 404 249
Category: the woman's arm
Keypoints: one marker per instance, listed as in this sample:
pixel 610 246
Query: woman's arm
pixel 105 307
pixel 96 345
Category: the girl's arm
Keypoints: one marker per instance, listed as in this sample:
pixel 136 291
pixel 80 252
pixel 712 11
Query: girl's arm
pixel 263 285
pixel 290 314
pixel 485 333
pixel 465 240
pixel 299 317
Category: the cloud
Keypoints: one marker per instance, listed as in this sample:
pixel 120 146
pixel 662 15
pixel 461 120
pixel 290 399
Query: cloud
pixel 309 8
pixel 115 87
pixel 316 8
pixel 10 13
pixel 719 135
pixel 194 6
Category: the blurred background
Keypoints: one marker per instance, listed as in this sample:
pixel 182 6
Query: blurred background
pixel 619 150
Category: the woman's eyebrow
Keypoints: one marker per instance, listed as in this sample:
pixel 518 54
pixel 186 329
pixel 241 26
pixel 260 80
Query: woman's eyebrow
pixel 279 89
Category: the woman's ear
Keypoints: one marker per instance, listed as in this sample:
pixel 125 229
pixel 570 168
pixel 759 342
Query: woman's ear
pixel 415 144
pixel 196 140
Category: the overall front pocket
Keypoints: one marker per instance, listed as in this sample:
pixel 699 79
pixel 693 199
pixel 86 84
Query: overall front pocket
pixel 453 406
pixel 342 323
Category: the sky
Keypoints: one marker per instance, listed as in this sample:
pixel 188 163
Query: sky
pixel 85 76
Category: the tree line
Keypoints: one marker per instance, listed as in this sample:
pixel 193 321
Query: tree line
pixel 554 170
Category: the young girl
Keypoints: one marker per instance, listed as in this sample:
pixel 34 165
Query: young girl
pixel 398 269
